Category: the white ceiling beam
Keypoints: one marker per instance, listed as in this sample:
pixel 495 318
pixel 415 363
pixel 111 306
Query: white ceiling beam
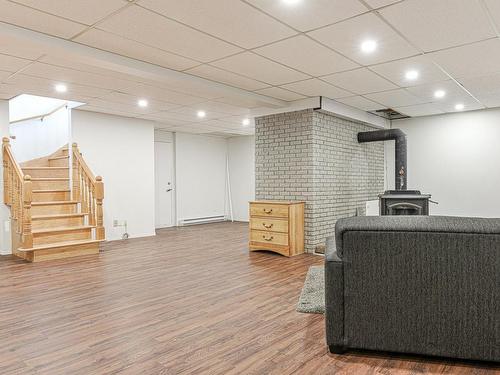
pixel 112 61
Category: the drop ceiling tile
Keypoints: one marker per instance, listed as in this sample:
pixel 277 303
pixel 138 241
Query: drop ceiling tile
pixel 196 129
pixel 131 101
pixel 395 71
pixel 482 86
pixel 191 113
pixel 233 21
pixel 433 25
pixel 12 64
pixel 469 105
pixel 281 94
pixel 297 53
pixel 157 93
pixel 224 108
pixel 20 47
pixel 473 60
pixel 181 118
pixel 426 109
pixel 241 101
pixel 493 7
pixel 63 60
pixel 218 75
pixel 235 122
pixel 361 102
pixel 67 75
pixel 316 87
pixel 490 100
pixel 4 75
pixel 380 3
pixel 395 98
pixel 226 125
pixel 131 107
pixel 150 28
pixel 426 92
pixel 35 20
pixel 107 110
pixel 360 81
pixel 130 48
pixel 347 36
pixel 308 15
pixel 260 68
pixel 87 12
pixel 37 84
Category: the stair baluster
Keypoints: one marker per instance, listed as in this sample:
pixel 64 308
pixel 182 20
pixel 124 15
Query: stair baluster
pixel 18 195
pixel 89 192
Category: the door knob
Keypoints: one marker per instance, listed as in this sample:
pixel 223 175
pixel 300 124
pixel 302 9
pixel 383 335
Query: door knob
pixel 168 190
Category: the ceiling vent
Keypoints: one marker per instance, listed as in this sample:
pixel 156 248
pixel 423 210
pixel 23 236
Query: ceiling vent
pixel 389 114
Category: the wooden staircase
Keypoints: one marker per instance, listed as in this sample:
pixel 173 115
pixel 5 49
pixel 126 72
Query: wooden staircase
pixel 49 218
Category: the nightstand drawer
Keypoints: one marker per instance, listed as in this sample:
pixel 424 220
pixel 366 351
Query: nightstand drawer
pixel 271 210
pixel 268 224
pixel 266 238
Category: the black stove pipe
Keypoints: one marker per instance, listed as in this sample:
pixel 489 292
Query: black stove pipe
pixel 397 135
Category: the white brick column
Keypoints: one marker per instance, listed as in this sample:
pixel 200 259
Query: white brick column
pixel 315 157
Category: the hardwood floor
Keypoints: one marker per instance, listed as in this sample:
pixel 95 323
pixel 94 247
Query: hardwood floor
pixel 188 301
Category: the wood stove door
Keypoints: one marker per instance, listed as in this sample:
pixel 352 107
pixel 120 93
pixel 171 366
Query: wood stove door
pixel 404 208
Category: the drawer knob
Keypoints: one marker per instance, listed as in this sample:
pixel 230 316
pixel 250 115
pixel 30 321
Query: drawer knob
pixel 268 211
pixel 268 226
pixel 268 238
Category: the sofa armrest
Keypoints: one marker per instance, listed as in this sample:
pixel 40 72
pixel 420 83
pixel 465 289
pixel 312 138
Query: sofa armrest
pixel 334 298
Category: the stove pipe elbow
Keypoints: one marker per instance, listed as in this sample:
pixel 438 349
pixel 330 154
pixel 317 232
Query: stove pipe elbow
pixel 397 135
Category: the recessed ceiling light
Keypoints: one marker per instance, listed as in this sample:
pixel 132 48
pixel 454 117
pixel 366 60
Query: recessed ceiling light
pixel 291 2
pixel 459 107
pixel 201 114
pixel 142 103
pixel 61 88
pixel 368 46
pixel 439 94
pixel 246 122
pixel 411 75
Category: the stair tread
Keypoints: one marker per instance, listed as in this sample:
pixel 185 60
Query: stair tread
pixel 62 229
pixel 52 191
pixel 59 244
pixel 52 203
pixel 56 216
pixel 59 157
pixel 45 168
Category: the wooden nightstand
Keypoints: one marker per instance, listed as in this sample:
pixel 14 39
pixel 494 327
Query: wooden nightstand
pixel 277 226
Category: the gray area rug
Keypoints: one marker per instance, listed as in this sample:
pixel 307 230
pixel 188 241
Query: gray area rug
pixel 312 298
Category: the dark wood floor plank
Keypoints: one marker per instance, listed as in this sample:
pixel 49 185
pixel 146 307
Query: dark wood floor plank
pixel 189 301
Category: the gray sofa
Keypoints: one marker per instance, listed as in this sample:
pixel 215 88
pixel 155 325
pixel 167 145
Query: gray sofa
pixel 414 284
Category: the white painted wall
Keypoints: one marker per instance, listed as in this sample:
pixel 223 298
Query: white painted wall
pixel 200 175
pixel 121 150
pixel 456 158
pixel 37 138
pixel 5 236
pixel 241 153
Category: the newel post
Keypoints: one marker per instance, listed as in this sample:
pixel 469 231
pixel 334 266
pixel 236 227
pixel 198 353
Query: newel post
pixel 6 195
pixel 75 169
pixel 99 196
pixel 27 235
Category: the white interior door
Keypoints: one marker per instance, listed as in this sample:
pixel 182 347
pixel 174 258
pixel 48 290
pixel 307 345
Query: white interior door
pixel 164 175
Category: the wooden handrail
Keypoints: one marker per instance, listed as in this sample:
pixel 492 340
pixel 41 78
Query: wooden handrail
pixel 88 191
pixel 17 195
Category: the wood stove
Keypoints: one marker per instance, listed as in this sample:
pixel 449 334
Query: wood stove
pixel 404 202
pixel 400 201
